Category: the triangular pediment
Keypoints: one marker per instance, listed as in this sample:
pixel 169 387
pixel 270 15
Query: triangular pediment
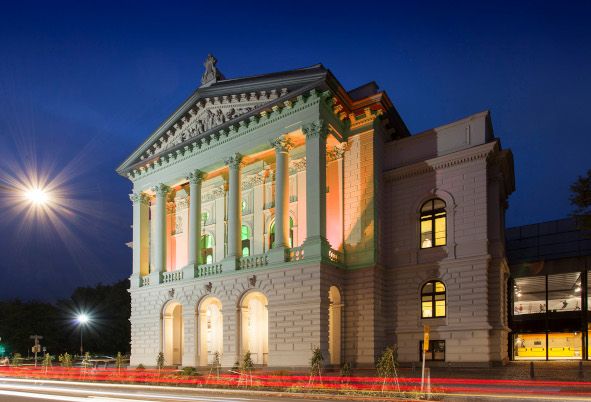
pixel 223 102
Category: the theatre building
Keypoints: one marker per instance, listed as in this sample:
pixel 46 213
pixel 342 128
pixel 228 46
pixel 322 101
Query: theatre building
pixel 550 264
pixel 280 212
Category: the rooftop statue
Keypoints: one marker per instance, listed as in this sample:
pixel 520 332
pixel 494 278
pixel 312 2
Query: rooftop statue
pixel 211 74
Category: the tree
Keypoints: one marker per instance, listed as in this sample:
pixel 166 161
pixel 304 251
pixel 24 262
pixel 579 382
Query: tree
pixel 160 361
pixel 581 200
pixel 387 363
pixel 47 359
pixel 245 368
pixel 65 360
pixel 119 361
pixel 316 364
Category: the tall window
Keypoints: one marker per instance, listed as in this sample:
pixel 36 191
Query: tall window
pixel 433 300
pixel 207 249
pixel 272 234
pixel 433 223
pixel 245 241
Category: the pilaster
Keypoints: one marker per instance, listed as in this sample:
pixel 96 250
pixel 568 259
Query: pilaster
pixel 141 250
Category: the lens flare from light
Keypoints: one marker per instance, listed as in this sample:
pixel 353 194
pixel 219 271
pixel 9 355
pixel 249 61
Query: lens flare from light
pixel 82 318
pixel 37 196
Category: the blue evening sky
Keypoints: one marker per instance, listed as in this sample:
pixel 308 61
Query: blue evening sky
pixel 83 83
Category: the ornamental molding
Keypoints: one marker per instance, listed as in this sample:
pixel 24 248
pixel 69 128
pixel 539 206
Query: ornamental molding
pixel 224 135
pixel 297 165
pixel 139 198
pixel 362 119
pixel 214 193
pixel 253 180
pixel 208 113
pixel 482 152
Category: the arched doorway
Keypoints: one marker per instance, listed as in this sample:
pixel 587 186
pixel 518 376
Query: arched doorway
pixel 210 329
pixel 334 325
pixel 254 322
pixel 172 333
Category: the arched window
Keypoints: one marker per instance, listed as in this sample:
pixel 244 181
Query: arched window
pixel 245 241
pixel 433 223
pixel 207 249
pixel 272 234
pixel 433 300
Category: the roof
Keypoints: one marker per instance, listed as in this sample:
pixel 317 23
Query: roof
pixel 222 102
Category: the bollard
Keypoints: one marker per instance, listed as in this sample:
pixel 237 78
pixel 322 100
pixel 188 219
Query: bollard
pixel 531 370
pixel 581 374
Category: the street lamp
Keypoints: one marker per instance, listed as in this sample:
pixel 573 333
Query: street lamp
pixel 82 320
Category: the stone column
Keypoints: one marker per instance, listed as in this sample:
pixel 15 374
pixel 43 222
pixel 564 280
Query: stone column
pixel 315 244
pixel 234 164
pixel 140 237
pixel 195 179
pixel 282 146
pixel 159 242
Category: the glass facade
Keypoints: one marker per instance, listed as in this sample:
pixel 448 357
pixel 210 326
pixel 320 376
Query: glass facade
pixel 549 317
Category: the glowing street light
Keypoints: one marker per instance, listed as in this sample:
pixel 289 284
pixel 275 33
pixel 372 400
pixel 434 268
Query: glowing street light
pixel 82 320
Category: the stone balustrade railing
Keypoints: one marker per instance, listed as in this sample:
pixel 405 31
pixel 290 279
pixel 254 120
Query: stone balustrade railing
pixel 253 261
pixel 145 280
pixel 172 276
pixel 208 270
pixel 295 253
pixel 335 256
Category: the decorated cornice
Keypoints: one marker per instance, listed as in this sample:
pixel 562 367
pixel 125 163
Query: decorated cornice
pixel 195 177
pixel 161 190
pixel 442 162
pixel 225 134
pixel 282 144
pixel 365 118
pixel 139 198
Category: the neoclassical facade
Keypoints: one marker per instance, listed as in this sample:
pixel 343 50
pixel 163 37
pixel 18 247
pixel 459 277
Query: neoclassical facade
pixel 279 212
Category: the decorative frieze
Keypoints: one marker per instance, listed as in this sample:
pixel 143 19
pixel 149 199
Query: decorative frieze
pixel 297 165
pixel 215 192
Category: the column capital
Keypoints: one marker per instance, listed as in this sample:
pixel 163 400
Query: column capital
pixel 139 198
pixel 234 161
pixel 161 189
pixel 315 129
pixel 195 177
pixel 282 143
pixel 337 152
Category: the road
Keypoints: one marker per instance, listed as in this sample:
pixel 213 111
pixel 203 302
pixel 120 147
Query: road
pixel 21 390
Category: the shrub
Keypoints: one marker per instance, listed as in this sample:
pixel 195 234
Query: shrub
pixel 17 359
pixel 65 360
pixel 140 367
pixel 160 361
pixel 189 371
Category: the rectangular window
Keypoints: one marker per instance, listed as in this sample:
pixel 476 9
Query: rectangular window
pixel 440 229
pixel 529 295
pixel 427 306
pixel 436 350
pixel 564 292
pixel 530 346
pixel 426 234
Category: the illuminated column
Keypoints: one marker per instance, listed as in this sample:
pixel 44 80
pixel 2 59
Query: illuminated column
pixel 282 146
pixel 159 244
pixel 195 179
pixel 140 233
pixel 234 164
pixel 315 243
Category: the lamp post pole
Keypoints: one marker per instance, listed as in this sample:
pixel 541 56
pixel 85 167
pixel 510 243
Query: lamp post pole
pixel 82 320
